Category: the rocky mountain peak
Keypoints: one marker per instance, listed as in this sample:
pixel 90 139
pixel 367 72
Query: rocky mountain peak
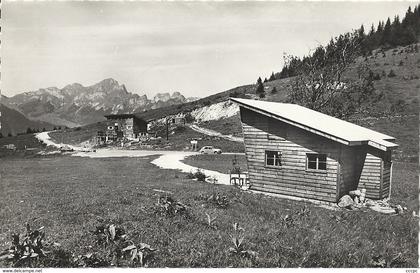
pixel 77 104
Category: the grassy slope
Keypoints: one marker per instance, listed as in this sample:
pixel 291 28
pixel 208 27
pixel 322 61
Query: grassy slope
pixel 120 191
pixel 245 90
pixel 181 137
pixel 227 126
pixel 405 129
pixel 20 142
pixel 78 134
pixel 15 122
pixel 404 87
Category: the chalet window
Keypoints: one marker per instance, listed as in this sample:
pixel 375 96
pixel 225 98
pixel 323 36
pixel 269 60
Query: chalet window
pixel 272 158
pixel 110 127
pixel 316 162
pixel 129 127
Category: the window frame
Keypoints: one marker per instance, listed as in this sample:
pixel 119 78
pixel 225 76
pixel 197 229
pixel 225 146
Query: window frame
pixel 273 166
pixel 317 163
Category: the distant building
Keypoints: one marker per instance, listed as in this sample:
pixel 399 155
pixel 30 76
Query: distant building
pixel 176 120
pixel 125 126
pixel 295 151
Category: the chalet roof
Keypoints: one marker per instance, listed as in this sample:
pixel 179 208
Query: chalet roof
pixel 319 123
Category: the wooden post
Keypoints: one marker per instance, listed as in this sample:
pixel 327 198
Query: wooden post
pixel 390 181
pixel 167 130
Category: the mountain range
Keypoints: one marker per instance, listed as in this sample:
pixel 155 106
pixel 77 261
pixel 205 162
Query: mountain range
pixel 77 105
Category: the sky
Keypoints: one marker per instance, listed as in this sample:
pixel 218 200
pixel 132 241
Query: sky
pixel 196 48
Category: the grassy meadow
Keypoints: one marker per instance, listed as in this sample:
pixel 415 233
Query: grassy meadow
pixel 70 196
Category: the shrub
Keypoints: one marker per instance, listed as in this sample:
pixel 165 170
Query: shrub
pixel 236 169
pixel 189 118
pixel 391 74
pixel 215 199
pixel 179 129
pixel 118 249
pixel 30 251
pixel 211 221
pixel 237 238
pixel 199 175
pixel 274 90
pixel 237 94
pixel 24 251
pixel 234 94
pixel 168 206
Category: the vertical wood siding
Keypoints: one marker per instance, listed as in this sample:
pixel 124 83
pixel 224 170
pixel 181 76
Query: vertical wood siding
pixel 386 179
pixel 371 177
pixel 263 133
pixel 348 168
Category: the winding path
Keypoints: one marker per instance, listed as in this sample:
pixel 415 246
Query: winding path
pixel 44 137
pixel 166 160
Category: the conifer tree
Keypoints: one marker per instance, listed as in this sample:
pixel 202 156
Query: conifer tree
pixel 272 77
pixel 386 35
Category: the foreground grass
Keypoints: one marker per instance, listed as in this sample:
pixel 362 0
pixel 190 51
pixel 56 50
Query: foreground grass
pixel 50 192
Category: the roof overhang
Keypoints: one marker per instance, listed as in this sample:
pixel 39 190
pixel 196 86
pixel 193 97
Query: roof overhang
pixel 383 145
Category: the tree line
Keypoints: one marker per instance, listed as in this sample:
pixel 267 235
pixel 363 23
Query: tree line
pixel 388 34
pixel 319 82
pixel 31 131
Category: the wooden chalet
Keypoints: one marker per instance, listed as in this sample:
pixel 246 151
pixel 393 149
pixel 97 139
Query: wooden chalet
pixel 125 126
pixel 295 151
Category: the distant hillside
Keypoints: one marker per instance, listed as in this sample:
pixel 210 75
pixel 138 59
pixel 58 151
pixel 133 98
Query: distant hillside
pixel 393 72
pixel 14 122
pixel 395 114
pixel 399 90
pixel 76 105
pixel 390 34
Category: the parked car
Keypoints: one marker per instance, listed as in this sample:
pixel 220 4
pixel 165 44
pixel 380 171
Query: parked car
pixel 210 150
pixel 66 148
